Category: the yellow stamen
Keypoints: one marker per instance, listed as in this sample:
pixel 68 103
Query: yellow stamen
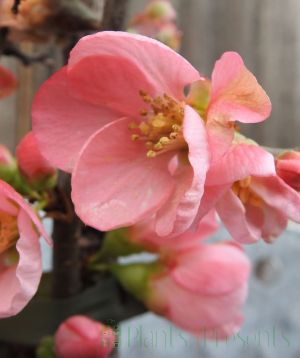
pixel 9 232
pixel 242 189
pixel 151 154
pixel 135 137
pixel 161 125
pixel 173 135
pixel 164 140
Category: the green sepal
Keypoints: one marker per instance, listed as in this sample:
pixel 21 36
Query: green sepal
pixel 46 348
pixel 135 278
pixel 115 244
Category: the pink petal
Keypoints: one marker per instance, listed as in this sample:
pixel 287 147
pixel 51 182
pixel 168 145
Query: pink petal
pixel 224 331
pixel 62 123
pixel 288 169
pixel 32 164
pixel 7 191
pixel 212 269
pixel 233 214
pixel 110 68
pixel 241 161
pixel 236 94
pixel 18 284
pixel 114 183
pixel 196 313
pixel 144 234
pixel 212 194
pixel 275 222
pixel 277 194
pixel 220 137
pixel 208 225
pixel 179 213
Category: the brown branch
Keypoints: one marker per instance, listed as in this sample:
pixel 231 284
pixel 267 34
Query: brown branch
pixel 114 14
pixel 15 7
pixel 66 264
pixel 11 50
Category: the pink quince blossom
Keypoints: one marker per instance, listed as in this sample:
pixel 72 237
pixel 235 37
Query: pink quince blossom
pixel 20 254
pixel 82 337
pixel 8 82
pixel 117 118
pixel 33 166
pixel 201 289
pixel 143 234
pixel 251 200
pixel 288 168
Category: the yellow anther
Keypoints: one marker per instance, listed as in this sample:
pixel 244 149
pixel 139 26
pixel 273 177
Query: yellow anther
pixel 144 127
pixel 146 98
pixel 158 122
pixel 173 135
pixel 135 137
pixel 164 140
pixel 151 154
pixel 176 127
pixel 158 146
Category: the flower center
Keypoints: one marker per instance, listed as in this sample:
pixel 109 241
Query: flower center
pixel 9 232
pixel 244 192
pixel 161 127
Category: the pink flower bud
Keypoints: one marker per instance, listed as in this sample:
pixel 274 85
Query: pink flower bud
pixel 33 166
pixel 161 10
pixel 201 290
pixel 82 337
pixel 288 168
pixel 158 21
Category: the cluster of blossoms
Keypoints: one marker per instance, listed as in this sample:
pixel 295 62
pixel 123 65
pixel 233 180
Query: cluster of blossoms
pixel 21 228
pixel 152 145
pixel 155 156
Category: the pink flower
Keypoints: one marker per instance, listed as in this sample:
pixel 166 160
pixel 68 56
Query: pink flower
pixel 143 234
pixel 82 337
pixel 288 168
pixel 201 289
pixel 8 83
pixel 117 118
pixel 251 200
pixel 33 166
pixel 20 255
